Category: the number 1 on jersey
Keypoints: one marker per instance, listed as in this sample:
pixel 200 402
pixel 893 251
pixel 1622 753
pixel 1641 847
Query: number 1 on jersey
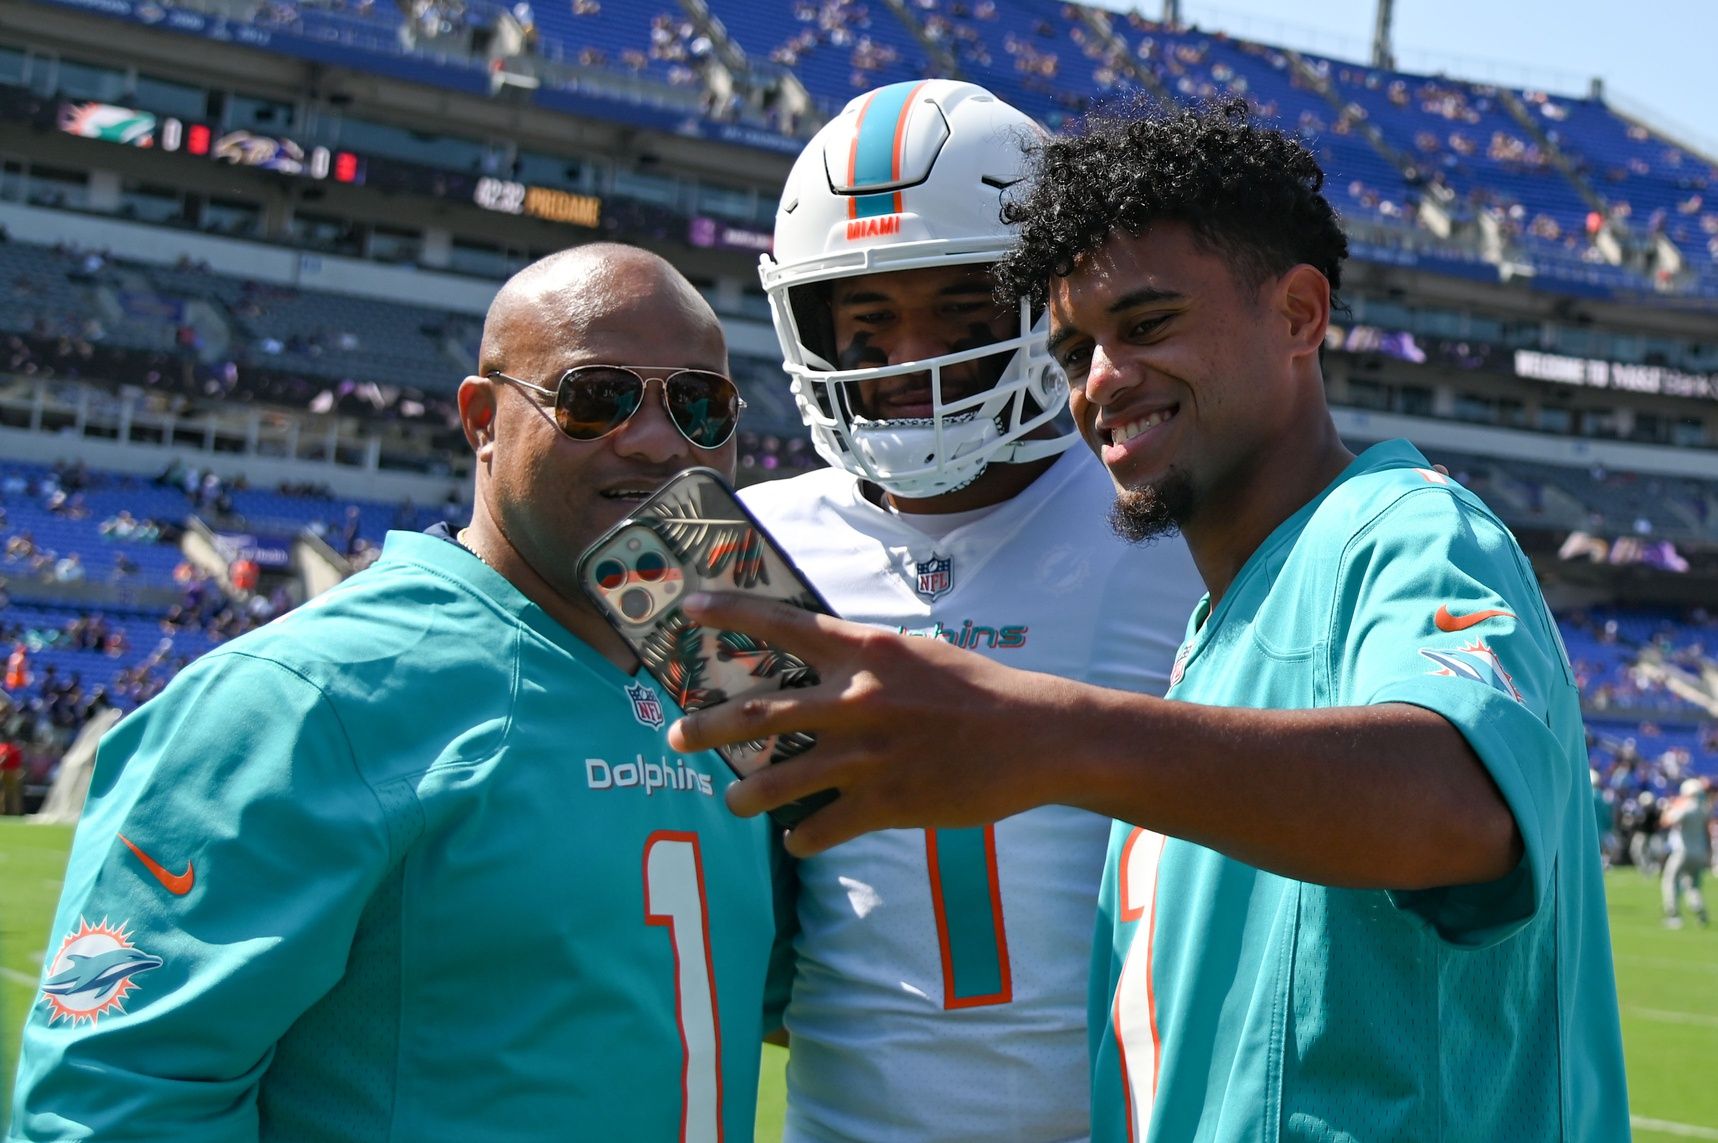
pixel 674 897
pixel 1134 1015
pixel 967 899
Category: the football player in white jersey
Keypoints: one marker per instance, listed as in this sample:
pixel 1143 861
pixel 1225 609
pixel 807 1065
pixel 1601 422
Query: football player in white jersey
pixel 940 990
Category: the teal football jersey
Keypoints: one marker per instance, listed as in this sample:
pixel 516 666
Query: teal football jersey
pixel 410 863
pixel 1233 1004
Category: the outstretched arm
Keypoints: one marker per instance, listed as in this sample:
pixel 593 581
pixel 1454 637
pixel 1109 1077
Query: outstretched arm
pixel 914 732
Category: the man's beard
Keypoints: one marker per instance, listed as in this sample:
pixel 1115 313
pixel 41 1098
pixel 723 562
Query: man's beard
pixel 1156 510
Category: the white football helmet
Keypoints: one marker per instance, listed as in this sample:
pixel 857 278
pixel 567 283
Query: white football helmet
pixel 909 176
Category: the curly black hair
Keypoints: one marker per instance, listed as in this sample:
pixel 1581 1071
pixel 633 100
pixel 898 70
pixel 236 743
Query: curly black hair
pixel 1248 192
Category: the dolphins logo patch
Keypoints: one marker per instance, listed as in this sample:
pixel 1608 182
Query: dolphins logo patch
pixel 93 972
pixel 1474 661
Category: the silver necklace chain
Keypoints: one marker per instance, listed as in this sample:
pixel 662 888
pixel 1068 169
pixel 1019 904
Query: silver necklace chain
pixel 459 538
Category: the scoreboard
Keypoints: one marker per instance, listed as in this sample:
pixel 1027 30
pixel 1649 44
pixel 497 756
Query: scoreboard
pixel 131 127
pixel 111 123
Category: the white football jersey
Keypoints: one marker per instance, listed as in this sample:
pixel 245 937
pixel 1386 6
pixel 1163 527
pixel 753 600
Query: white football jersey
pixel 940 985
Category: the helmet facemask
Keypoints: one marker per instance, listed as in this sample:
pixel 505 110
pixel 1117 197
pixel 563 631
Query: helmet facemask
pixel 955 149
pixel 985 397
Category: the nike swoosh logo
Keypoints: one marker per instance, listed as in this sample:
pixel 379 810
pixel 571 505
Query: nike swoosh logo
pixel 177 884
pixel 1444 621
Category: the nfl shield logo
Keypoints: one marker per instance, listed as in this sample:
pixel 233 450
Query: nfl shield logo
pixel 935 575
pixel 1180 668
pixel 646 707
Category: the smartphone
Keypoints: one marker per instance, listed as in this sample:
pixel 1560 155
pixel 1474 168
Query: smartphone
pixel 693 534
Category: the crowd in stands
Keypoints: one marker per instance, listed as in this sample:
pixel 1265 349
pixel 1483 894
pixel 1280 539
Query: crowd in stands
pixel 1549 172
pixel 1633 787
pixel 56 500
pixel 1462 144
pixel 1641 661
pixel 1648 744
pixel 843 25
pixel 51 330
pixel 69 655
pixel 1645 675
pixel 41 714
pixel 1550 175
pixel 678 43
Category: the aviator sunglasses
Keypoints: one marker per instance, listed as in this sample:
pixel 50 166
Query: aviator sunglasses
pixel 592 401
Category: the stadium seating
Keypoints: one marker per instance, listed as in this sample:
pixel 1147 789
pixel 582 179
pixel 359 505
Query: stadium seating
pixel 96 299
pixel 38 281
pixel 339 336
pixel 41 629
pixel 1027 51
pixel 610 35
pixel 837 48
pixel 1653 183
pixel 366 26
pixel 1690 752
pixel 1359 178
pixel 1593 497
pixel 1548 170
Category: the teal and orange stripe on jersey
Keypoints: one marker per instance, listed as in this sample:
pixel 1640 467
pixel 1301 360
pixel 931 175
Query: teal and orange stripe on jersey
pixel 875 156
pixel 972 936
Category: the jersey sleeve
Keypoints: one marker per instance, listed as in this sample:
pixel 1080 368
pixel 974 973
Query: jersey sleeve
pixel 1437 607
pixel 214 886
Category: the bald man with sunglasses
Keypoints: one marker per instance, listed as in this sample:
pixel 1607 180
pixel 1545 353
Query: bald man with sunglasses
pixel 416 862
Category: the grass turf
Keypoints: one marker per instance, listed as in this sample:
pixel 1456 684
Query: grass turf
pixel 1667 982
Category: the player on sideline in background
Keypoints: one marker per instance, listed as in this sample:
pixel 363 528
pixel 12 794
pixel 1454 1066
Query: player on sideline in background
pixel 1688 824
pixel 941 976
pixel 414 862
pixel 1353 891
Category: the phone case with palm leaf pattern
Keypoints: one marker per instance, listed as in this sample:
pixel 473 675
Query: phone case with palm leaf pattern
pixel 690 535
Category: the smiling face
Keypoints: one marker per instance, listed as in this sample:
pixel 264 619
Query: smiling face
pixel 912 315
pixel 548 495
pixel 1188 382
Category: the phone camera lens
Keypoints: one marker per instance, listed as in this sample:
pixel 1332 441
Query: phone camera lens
pixel 650 566
pixel 637 604
pixel 610 574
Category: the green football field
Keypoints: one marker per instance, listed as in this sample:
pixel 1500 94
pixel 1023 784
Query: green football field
pixel 1668 982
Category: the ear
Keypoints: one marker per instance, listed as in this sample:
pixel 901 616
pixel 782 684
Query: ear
pixel 1304 297
pixel 477 415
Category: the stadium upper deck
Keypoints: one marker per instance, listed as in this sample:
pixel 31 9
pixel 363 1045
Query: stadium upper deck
pixel 1487 179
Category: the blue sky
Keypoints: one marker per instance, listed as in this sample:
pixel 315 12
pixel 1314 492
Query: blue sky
pixel 1655 56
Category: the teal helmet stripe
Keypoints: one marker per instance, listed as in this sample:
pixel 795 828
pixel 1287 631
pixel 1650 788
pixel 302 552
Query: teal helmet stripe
pixel 874 157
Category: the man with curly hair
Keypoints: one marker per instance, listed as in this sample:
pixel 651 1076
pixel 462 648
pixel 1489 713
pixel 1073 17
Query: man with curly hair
pixel 1353 890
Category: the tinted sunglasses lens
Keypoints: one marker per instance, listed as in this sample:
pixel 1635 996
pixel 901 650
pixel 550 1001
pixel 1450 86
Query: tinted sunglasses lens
pixel 591 403
pixel 705 406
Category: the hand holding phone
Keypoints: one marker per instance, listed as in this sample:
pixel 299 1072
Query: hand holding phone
pixel 690 535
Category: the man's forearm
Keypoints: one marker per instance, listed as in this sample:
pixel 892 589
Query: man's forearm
pixel 1389 796
pixel 915 732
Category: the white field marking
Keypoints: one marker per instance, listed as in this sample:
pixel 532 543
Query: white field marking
pixel 1669 962
pixel 1666 1017
pixel 1687 1131
pixel 17 977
